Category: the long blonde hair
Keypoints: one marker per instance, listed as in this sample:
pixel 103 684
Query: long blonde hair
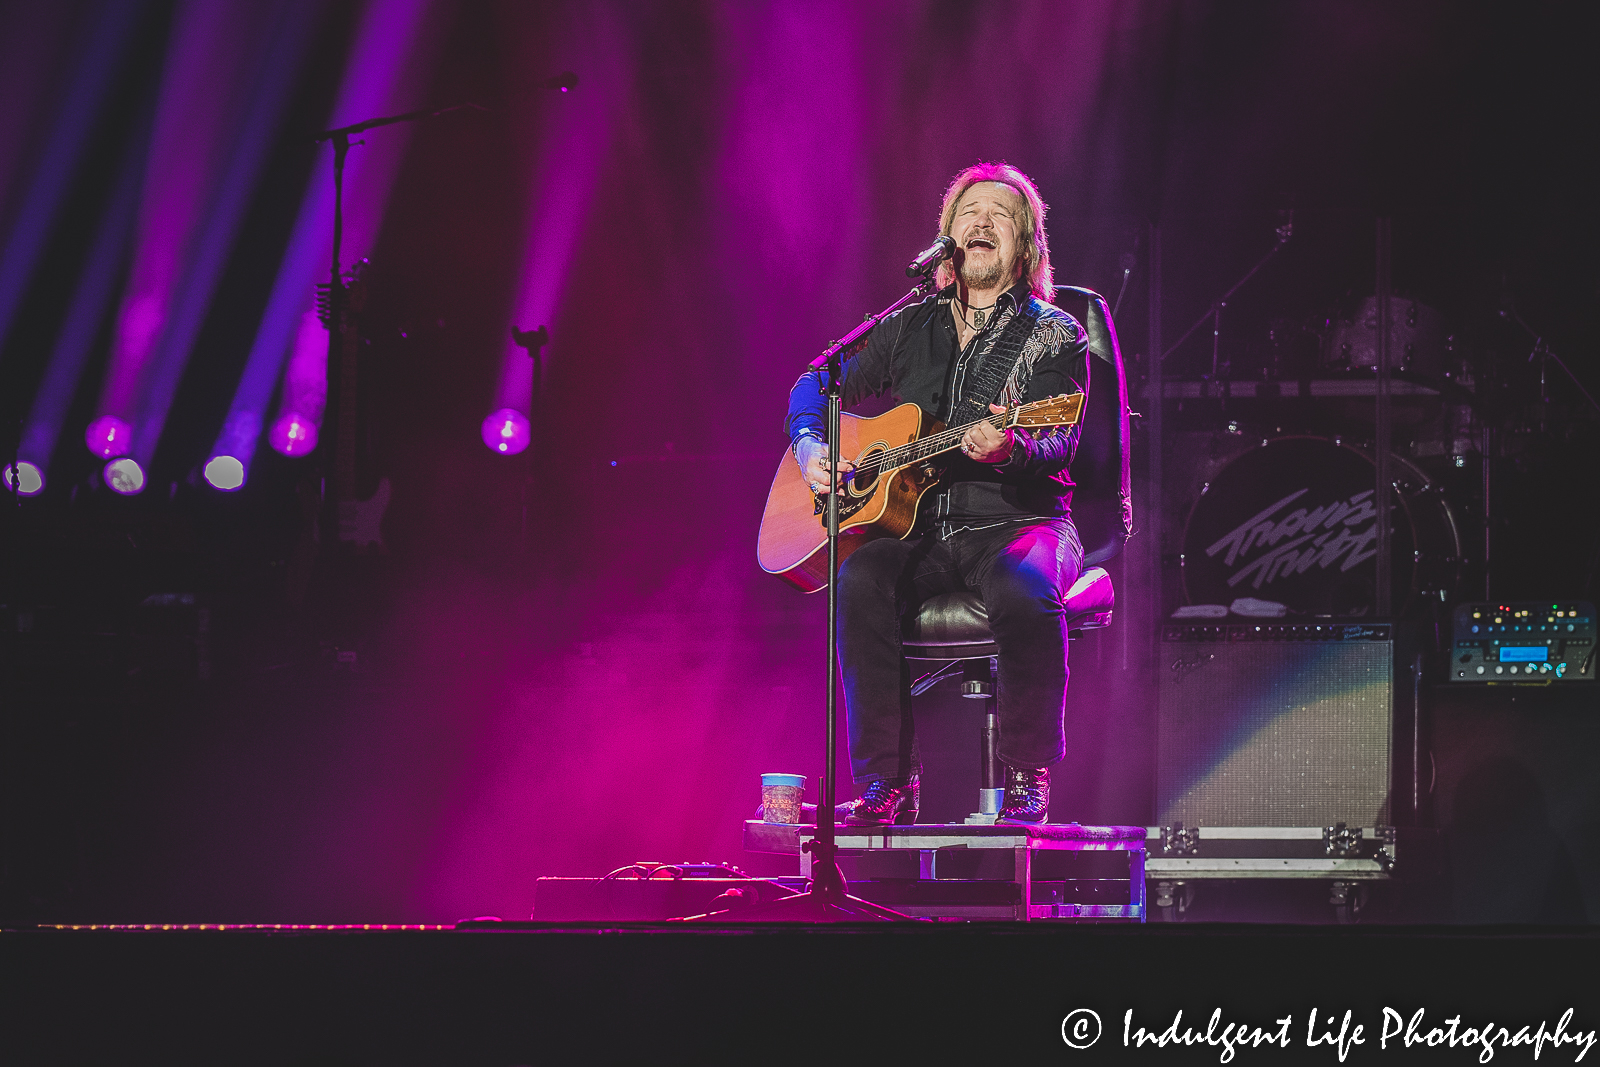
pixel 1035 249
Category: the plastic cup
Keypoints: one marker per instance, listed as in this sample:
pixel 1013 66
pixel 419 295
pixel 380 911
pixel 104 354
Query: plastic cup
pixel 781 796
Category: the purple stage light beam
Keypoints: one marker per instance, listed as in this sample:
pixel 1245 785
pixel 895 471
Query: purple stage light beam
pixel 97 61
pixel 387 72
pixel 214 53
pixel 35 39
pixel 579 127
pixel 93 296
pixel 293 434
pixel 108 436
pixel 274 75
pixel 506 432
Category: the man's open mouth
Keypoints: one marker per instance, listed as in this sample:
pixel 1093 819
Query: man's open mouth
pixel 980 242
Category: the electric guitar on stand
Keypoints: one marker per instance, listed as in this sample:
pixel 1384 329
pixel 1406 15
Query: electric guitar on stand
pixel 892 454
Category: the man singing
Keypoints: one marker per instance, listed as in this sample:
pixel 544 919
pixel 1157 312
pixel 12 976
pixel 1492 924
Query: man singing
pixel 998 525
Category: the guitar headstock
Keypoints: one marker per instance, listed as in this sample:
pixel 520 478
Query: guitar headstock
pixel 1063 410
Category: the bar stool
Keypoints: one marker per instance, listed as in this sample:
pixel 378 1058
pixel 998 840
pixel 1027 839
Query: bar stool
pixel 954 627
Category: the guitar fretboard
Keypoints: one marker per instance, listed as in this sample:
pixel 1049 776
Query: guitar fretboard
pixel 924 448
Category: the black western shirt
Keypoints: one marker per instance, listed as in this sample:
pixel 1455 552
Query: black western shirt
pixel 914 356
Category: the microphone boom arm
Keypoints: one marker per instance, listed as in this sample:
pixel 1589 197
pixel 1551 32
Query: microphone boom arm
pixel 836 352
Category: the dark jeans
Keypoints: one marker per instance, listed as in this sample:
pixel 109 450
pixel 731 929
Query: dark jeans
pixel 1022 571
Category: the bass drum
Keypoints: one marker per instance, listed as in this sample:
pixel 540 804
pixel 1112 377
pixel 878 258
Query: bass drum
pixel 1293 521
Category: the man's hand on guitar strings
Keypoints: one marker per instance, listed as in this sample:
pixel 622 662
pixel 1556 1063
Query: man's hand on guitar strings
pixel 813 456
pixel 986 444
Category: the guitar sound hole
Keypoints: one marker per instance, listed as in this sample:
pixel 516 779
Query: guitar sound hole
pixel 866 473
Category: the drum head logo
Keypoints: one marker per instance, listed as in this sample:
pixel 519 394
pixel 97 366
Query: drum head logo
pixel 1294 521
pixel 1268 545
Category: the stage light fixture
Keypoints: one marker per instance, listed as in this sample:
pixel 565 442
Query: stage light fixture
pixel 25 479
pixel 507 432
pixel 108 436
pixel 225 473
pixel 124 476
pixel 293 434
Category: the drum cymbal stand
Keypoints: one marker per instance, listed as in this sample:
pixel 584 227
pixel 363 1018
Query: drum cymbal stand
pixel 1541 352
pixel 1214 312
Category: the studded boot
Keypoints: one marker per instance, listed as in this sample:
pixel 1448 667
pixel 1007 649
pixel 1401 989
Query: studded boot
pixel 886 801
pixel 1027 799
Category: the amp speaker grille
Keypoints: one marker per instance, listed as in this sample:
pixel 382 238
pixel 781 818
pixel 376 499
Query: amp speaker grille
pixel 1275 725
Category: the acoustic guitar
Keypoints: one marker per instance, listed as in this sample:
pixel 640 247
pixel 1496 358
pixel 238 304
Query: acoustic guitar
pixel 893 456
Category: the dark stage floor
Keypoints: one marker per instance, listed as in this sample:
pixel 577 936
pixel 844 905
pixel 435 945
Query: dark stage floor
pixel 636 993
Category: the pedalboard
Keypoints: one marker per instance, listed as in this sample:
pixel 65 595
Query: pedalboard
pixel 1525 641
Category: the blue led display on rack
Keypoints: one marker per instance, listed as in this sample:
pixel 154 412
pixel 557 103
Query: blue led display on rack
pixel 1528 642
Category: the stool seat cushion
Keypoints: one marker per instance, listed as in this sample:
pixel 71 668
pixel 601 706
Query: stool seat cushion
pixel 956 625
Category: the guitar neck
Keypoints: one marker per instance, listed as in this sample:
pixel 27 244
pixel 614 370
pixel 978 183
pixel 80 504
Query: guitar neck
pixel 1061 410
pixel 936 444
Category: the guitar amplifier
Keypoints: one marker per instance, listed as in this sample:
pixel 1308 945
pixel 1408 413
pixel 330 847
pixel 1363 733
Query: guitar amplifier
pixel 1278 724
pixel 1524 641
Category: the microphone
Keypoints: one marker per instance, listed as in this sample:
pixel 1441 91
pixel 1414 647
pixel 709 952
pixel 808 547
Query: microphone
pixel 940 250
pixel 564 81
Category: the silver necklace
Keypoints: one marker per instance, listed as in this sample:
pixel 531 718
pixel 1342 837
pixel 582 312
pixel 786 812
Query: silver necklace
pixel 979 317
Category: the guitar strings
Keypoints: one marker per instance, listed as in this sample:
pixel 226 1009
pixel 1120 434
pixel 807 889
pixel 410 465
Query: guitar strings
pixel 893 458
pixel 904 455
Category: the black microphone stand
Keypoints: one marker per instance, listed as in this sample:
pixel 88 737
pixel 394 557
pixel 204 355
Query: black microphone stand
pixel 340 137
pixel 1541 351
pixel 827 897
pixel 533 341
